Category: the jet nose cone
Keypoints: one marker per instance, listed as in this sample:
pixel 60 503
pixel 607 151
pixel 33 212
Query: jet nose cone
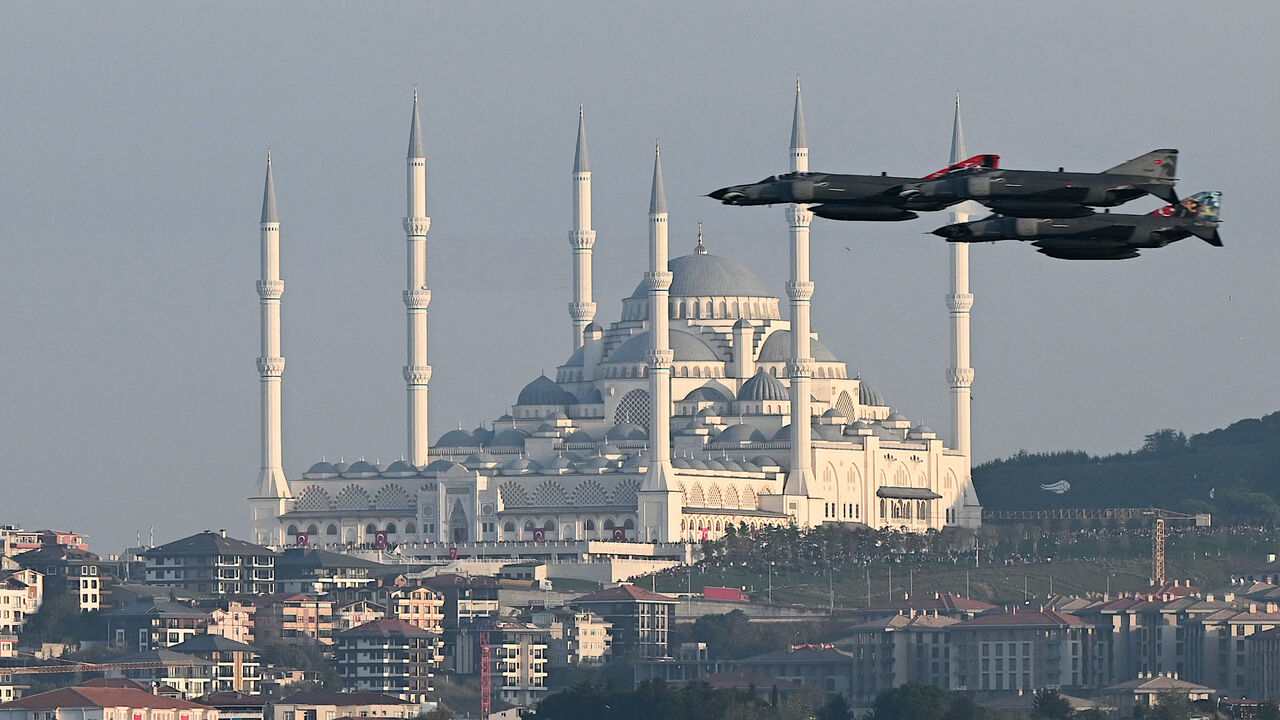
pixel 728 195
pixel 954 232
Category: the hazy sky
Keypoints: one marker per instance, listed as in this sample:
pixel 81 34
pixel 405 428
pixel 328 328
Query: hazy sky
pixel 132 140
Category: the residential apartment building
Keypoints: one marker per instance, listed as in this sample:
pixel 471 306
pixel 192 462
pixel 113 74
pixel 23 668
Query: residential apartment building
pixel 294 618
pixel 103 703
pixel 891 651
pixel 21 593
pixel 212 563
pixel 419 606
pixel 188 676
pixel 1264 672
pixel 75 572
pixel 236 666
pixel 389 656
pixel 641 620
pixel 575 637
pixel 517 656
pixel 329 705
pixel 316 572
pixel 820 666
pixel 150 624
pixel 232 619
pixel 357 613
pixel 1023 649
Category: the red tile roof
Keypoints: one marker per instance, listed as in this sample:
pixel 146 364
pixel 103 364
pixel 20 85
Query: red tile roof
pixel 386 627
pixel 100 697
pixel 625 593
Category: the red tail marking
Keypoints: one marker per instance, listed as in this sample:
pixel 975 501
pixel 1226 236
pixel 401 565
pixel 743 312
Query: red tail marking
pixel 977 161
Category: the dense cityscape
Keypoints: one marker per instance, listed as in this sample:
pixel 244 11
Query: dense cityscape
pixel 699 508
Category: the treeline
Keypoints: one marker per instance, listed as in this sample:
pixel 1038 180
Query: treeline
pixel 697 701
pixel 1229 473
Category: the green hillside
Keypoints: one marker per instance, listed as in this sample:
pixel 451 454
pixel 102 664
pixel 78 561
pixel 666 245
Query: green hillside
pixel 1240 464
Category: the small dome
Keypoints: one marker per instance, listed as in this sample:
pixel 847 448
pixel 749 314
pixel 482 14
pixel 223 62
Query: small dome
pixel 714 465
pixel 591 329
pixel 362 468
pixel 575 360
pixel 705 393
pixel 579 436
pixel 705 413
pixel 777 348
pixel 897 418
pixel 833 414
pixel 636 461
pixel 481 459
pixel 783 434
pixel 547 428
pixel 763 387
pixel 696 464
pixel 922 432
pixel 557 465
pixel 322 468
pixel 764 460
pixel 687 347
pixel 400 467
pixel 868 395
pixel 598 463
pixel 740 433
pixel 592 398
pixel 742 323
pixel 457 438
pixel 731 465
pixel 746 466
pixel 482 435
pixel 859 427
pixel 439 465
pixel 609 449
pixel 544 391
pixel 505 418
pixel 521 466
pixel 680 463
pixel 626 431
pixel 511 437
pixel 828 432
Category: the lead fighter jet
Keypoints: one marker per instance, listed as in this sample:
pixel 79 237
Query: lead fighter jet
pixel 849 197
pixel 1048 194
pixel 1104 236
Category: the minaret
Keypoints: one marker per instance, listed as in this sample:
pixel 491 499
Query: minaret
pixel 959 302
pixel 272 488
pixel 417 373
pixel 800 290
pixel 660 508
pixel 581 239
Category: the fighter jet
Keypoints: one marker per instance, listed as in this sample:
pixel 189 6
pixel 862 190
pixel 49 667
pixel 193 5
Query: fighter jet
pixel 1048 194
pixel 1104 236
pixel 849 197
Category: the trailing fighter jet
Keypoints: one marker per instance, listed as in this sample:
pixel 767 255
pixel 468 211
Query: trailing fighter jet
pixel 849 197
pixel 1105 236
pixel 1048 194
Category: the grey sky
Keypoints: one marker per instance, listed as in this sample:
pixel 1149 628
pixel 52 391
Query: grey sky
pixel 132 154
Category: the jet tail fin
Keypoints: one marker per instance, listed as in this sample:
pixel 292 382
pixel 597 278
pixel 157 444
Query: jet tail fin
pixel 989 162
pixel 1203 206
pixel 1157 164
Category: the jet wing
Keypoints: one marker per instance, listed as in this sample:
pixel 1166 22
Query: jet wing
pixel 1072 250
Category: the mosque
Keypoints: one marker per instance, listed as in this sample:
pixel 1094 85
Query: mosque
pixel 700 408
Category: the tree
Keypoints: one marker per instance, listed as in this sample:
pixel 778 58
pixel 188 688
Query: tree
pixel 964 708
pixel 912 701
pixel 1170 706
pixel 837 708
pixel 1165 441
pixel 1050 705
pixel 1268 711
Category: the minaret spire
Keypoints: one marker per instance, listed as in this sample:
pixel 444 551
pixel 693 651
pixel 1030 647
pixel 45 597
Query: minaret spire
pixel 799 139
pixel 800 291
pixel 959 303
pixel 272 488
pixel 582 310
pixel 658 279
pixel 417 373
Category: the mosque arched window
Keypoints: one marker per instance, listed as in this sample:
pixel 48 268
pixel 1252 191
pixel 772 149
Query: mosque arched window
pixel 722 309
pixel 313 529
pixel 331 529
pixel 528 526
pixel 590 525
pixel 291 530
pixel 370 529
pixel 629 524
pixel 709 311
pixel 410 528
pixel 391 528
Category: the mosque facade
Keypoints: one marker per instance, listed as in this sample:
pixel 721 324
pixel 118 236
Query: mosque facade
pixel 668 425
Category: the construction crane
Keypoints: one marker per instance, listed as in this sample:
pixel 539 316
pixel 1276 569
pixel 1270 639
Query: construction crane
pixel 1160 532
pixel 486 677
pixel 89 667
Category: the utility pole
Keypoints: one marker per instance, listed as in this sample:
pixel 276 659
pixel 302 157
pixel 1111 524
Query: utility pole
pixel 911 583
pixel 966 584
pixel 868 586
pixel 831 589
pixel 770 582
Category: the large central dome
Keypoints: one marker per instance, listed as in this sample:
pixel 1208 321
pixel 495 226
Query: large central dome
pixel 706 275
